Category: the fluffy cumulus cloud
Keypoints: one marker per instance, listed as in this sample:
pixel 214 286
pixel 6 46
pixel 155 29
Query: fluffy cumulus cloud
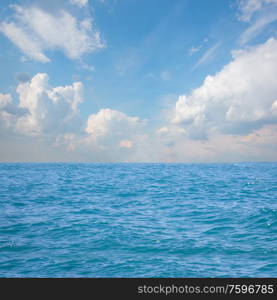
pixel 108 121
pixel 48 109
pixel 50 115
pixel 109 136
pixel 237 100
pixel 110 127
pixel 34 31
pixel 42 110
pixel 232 116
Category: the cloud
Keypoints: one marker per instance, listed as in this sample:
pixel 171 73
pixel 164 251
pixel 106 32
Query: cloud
pixel 258 26
pixel 259 13
pixel 248 8
pixel 48 110
pixel 109 136
pixel 35 31
pixel 193 50
pixel 259 145
pixel 207 56
pixel 115 136
pixel 112 123
pixel 49 117
pixel 80 3
pixel 274 108
pixel 230 117
pixel 5 100
pixel 7 114
pixel 24 41
pixel 236 100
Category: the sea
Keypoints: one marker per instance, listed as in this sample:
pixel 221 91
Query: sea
pixel 138 220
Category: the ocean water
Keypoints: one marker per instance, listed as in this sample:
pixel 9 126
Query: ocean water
pixel 138 220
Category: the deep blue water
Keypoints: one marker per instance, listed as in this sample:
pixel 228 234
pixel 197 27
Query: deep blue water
pixel 138 220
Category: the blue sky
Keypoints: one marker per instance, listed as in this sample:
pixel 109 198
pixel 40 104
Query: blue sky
pixel 155 80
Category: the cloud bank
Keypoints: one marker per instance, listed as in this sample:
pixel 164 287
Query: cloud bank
pixel 51 115
pixel 232 116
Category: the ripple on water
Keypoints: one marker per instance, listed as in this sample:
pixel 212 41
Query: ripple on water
pixel 138 220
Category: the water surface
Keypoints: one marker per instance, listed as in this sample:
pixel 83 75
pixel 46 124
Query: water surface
pixel 138 220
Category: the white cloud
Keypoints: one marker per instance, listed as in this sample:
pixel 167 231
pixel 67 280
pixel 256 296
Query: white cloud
pixel 230 117
pixel 260 145
pixel 238 99
pixel 67 140
pixel 8 115
pixel 48 109
pixel 110 135
pixel 259 13
pixel 112 123
pixel 34 31
pixel 5 100
pixel 80 3
pixel 6 118
pixel 24 41
pixel 49 117
pixel 249 7
pixel 207 56
pixel 258 26
pixel 115 136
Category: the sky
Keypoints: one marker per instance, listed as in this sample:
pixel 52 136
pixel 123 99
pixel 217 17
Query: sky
pixel 138 81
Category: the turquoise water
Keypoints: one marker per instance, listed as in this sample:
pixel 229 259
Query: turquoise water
pixel 138 220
